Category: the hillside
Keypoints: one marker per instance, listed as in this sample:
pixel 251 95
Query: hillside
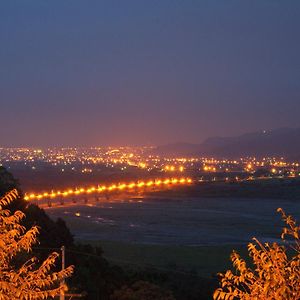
pixel 279 142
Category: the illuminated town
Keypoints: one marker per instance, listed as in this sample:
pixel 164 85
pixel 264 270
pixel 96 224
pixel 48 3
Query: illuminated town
pixel 139 157
pixel 135 166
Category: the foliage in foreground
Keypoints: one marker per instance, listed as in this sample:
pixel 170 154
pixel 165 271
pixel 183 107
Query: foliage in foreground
pixel 27 281
pixel 275 275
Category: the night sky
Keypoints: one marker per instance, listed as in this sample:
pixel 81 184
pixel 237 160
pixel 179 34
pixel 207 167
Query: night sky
pixel 146 72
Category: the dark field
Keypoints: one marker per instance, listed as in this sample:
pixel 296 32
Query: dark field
pixel 190 222
pixel 177 232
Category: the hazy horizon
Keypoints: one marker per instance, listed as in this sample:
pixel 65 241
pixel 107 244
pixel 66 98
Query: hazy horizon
pixel 139 145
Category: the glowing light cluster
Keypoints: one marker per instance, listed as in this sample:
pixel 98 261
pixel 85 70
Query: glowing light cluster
pixel 109 188
pixel 209 168
pixel 98 159
pixel 173 168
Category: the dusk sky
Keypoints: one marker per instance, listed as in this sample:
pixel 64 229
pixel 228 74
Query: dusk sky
pixel 146 72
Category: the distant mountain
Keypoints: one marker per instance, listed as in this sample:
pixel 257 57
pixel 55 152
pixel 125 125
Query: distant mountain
pixel 280 142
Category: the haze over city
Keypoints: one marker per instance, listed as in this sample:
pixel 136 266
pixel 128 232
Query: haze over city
pixel 146 72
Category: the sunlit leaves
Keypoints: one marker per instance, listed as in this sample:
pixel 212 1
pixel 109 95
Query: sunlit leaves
pixel 273 276
pixel 30 281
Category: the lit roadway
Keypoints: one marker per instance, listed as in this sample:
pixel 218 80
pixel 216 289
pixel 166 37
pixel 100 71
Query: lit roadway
pixel 106 190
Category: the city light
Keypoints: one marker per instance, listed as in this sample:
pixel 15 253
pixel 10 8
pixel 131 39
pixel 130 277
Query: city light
pixel 110 188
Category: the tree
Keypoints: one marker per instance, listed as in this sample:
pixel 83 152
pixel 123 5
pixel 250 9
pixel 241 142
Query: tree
pixel 52 234
pixel 27 281
pixel 93 274
pixel 276 275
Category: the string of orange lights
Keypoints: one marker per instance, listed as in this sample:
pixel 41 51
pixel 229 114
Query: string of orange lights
pixel 108 188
